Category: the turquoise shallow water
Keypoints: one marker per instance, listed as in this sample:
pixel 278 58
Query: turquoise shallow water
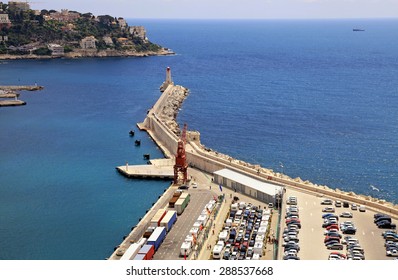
pixel 313 95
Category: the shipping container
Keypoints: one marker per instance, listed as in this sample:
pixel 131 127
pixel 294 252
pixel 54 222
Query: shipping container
pixel 157 237
pixel 168 220
pixel 148 251
pixel 131 252
pixel 155 221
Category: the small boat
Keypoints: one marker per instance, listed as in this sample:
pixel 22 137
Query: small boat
pixel 147 156
pixel 137 142
pixel 131 132
pixel 358 29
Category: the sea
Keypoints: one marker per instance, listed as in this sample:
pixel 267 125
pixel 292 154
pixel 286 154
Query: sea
pixel 309 98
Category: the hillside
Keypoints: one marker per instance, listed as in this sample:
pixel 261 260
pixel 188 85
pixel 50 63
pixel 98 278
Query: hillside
pixel 69 33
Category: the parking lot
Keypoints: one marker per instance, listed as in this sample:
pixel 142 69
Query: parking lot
pixel 311 237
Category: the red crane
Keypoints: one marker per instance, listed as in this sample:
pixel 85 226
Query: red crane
pixel 181 165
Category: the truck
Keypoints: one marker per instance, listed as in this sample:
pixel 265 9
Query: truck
pixel 172 201
pixel 157 237
pixel 155 221
pixel 148 231
pixel 147 251
pixel 131 252
pixel 182 203
pixel 258 248
pixel 202 219
pixel 168 220
pixel 185 249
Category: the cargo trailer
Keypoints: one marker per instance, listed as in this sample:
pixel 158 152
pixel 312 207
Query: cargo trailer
pixel 157 237
pixel 148 251
pixel 168 220
pixel 131 252
pixel 155 221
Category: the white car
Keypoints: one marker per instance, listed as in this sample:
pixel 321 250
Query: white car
pixel 194 185
pixel 328 209
pixel 392 253
pixel 346 215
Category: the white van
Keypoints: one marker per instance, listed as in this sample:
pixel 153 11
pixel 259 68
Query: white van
pixel 362 208
pixel 217 251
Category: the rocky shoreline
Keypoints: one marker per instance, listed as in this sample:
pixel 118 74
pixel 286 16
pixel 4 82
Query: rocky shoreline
pixel 91 54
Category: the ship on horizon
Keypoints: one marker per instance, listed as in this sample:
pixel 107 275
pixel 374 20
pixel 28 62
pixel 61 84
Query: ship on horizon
pixel 358 29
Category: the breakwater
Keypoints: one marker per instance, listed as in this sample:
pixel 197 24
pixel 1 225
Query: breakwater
pixel 12 92
pixel 161 125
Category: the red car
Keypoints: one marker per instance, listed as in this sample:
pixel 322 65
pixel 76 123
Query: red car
pixel 328 238
pixel 332 227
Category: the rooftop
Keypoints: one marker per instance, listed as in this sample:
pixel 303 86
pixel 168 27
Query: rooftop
pixel 268 188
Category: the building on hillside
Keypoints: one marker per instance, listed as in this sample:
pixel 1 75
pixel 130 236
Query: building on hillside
pixel 18 6
pixel 244 184
pixel 108 40
pixel 63 16
pixel 3 38
pixel 88 43
pixel 56 50
pixel 4 20
pixel 138 31
pixel 122 23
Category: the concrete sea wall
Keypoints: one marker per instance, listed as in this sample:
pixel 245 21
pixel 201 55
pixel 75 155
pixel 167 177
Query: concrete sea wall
pixel 163 131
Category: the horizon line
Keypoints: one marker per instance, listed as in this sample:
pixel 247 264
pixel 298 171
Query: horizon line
pixel 258 19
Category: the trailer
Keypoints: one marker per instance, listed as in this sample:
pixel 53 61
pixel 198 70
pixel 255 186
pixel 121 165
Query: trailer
pixel 131 252
pixel 168 220
pixel 147 251
pixel 173 200
pixel 139 257
pixel 155 221
pixel 157 237
pixel 182 203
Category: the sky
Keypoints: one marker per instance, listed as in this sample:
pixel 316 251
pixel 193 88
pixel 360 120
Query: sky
pixel 228 9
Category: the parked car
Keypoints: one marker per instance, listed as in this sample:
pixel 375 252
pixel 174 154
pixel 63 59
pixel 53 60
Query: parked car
pixel 349 230
pixel 337 203
pixel 392 253
pixel 328 209
pixel 335 246
pixel 354 207
pixel 346 204
pixel 326 202
pixel 346 215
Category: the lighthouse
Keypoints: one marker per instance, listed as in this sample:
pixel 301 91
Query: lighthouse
pixel 168 81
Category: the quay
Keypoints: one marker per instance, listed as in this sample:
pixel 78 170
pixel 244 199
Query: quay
pixel 158 169
pixel 204 164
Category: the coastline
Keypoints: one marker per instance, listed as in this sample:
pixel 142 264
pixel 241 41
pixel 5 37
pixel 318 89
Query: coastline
pixel 90 54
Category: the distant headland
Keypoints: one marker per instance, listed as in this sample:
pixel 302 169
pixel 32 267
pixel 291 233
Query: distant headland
pixel 27 33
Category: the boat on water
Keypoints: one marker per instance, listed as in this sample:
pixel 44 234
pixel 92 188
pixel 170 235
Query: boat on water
pixel 358 29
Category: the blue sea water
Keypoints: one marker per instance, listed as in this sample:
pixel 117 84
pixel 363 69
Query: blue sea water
pixel 309 95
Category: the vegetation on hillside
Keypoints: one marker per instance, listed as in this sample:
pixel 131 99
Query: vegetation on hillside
pixel 30 27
